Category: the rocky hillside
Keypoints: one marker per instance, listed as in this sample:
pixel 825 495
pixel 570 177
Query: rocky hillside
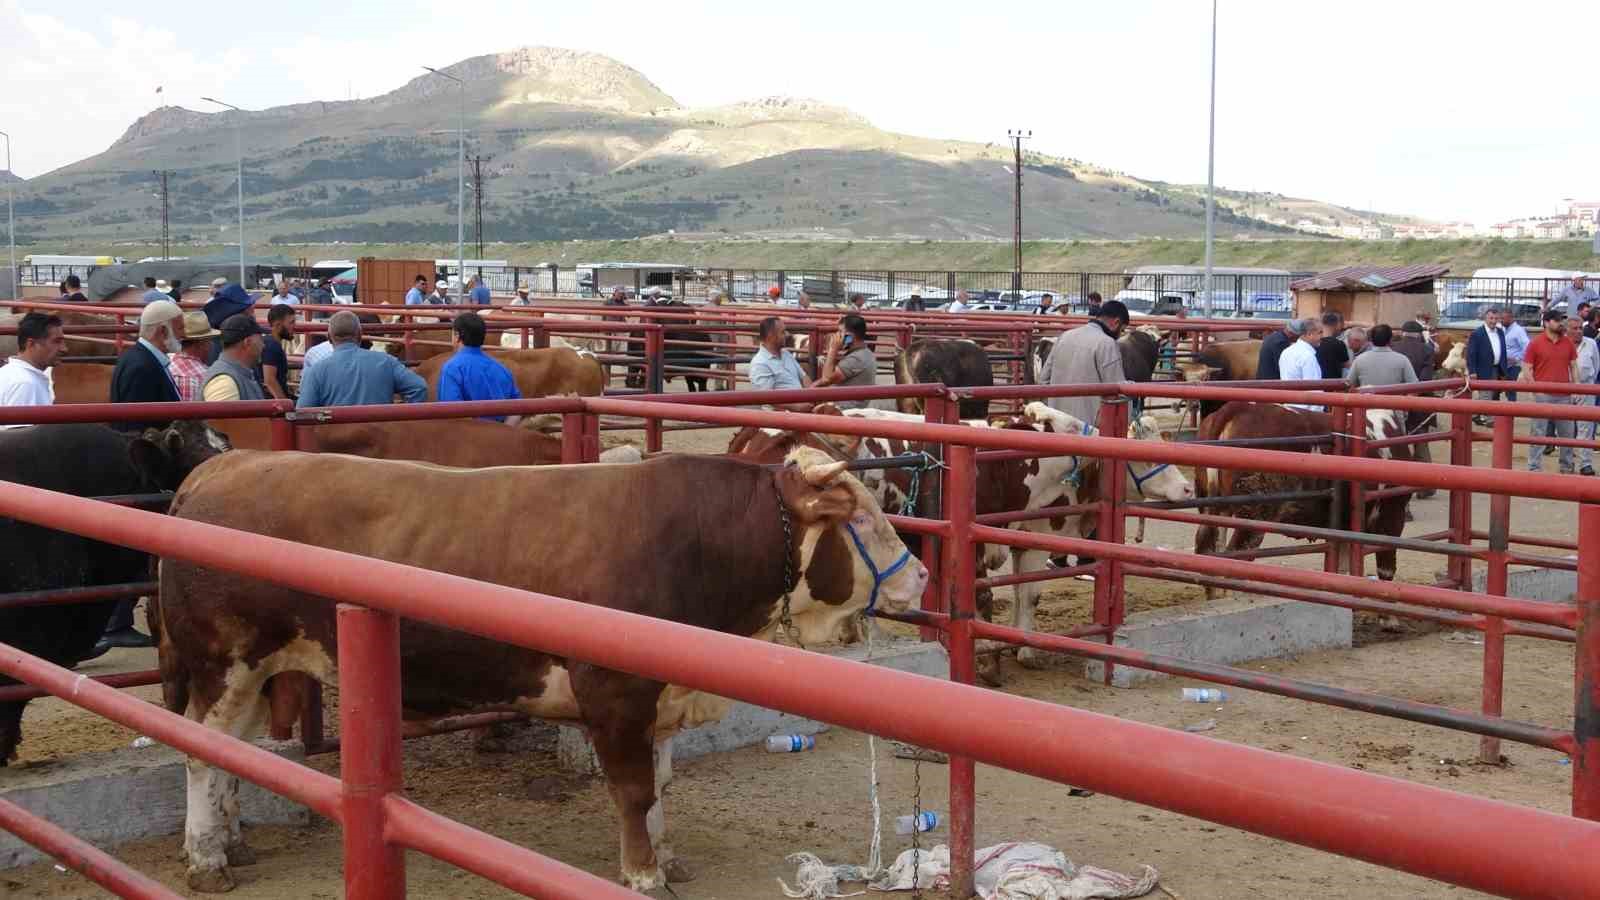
pixel 579 146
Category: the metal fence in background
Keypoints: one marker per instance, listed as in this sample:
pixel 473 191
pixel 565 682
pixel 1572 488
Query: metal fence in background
pixel 1233 295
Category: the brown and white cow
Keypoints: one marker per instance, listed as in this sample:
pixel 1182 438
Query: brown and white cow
pixel 1002 486
pixel 1239 420
pixel 699 540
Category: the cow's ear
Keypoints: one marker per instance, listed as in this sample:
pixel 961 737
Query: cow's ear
pixel 812 504
pixel 149 457
pixel 1168 435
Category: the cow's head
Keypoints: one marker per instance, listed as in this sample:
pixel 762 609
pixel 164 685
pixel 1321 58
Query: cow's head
pixel 772 445
pixel 1156 481
pixel 848 553
pixel 166 456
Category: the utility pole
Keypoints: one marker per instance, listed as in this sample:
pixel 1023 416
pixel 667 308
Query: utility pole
pixel 477 198
pixel 1016 138
pixel 1211 166
pixel 166 217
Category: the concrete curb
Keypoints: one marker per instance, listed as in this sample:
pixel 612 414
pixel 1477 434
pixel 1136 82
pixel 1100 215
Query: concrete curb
pixel 115 797
pixel 747 724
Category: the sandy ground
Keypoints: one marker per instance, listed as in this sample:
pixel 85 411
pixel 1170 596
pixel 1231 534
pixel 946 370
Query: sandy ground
pixel 737 815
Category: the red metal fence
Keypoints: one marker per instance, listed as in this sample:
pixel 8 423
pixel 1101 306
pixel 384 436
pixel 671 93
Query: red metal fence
pixel 1448 836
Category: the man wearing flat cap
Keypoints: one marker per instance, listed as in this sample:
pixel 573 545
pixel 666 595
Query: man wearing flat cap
pixel 233 375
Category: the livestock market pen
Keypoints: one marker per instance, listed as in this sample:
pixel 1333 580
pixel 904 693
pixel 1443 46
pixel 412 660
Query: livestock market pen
pixel 1453 837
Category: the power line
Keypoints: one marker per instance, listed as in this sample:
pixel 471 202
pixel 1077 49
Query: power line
pixel 166 216
pixel 477 198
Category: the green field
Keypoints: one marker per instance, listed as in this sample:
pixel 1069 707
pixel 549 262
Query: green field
pixel 1462 256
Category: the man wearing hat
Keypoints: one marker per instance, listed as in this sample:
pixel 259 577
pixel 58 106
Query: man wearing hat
pixel 188 365
pixel 440 295
pixel 1272 347
pixel 773 293
pixel 522 296
pixel 217 284
pixel 233 375
pixel 141 374
pixel 1087 355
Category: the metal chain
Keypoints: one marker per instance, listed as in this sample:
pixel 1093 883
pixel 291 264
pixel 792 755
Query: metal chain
pixel 916 821
pixel 790 579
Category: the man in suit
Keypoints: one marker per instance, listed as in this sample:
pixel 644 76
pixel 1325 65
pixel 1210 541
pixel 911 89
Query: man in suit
pixel 1486 355
pixel 141 374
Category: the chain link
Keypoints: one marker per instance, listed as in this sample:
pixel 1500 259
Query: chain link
pixel 916 822
pixel 790 579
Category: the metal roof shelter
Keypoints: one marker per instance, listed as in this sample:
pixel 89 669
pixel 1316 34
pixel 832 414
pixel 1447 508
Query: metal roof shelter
pixel 1370 294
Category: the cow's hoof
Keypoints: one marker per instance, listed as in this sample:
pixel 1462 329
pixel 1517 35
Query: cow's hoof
pixel 241 854
pixel 678 871
pixel 644 881
pixel 1029 658
pixel 210 881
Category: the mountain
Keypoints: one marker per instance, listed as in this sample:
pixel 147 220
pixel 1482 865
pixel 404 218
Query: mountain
pixel 9 177
pixel 577 145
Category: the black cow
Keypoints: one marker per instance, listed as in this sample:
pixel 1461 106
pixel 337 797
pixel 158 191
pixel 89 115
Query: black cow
pixel 700 357
pixel 86 461
pixel 1141 353
pixel 958 363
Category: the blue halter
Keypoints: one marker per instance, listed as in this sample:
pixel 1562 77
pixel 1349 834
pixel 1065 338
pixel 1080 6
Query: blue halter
pixel 878 578
pixel 1138 482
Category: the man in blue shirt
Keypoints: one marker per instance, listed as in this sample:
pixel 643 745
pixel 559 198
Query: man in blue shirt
pixel 414 297
pixel 152 292
pixel 480 291
pixel 472 374
pixel 351 376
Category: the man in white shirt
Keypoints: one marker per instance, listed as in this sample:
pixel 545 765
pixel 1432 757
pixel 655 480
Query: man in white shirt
pixel 24 379
pixel 283 295
pixel 1298 362
pixel 1516 347
pixel 958 305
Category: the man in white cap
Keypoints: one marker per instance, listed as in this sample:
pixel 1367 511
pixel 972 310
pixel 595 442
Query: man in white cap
pixel 217 284
pixel 440 295
pixel 522 296
pixel 141 374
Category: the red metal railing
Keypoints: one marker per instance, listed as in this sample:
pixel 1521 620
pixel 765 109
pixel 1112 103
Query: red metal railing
pixel 1116 562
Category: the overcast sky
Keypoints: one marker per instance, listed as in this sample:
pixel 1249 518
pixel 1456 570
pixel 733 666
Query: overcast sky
pixel 1444 109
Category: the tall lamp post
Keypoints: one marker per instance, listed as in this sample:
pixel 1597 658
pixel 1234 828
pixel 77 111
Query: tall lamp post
pixel 1016 138
pixel 11 222
pixel 461 176
pixel 1211 162
pixel 238 147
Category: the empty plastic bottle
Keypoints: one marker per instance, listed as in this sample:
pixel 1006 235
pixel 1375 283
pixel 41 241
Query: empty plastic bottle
pixel 1205 695
pixel 928 820
pixel 790 743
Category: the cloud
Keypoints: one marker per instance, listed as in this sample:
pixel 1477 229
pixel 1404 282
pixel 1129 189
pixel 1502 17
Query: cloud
pixel 70 93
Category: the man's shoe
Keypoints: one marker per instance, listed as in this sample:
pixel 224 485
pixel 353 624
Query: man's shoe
pixel 1587 470
pixel 127 638
pixel 1482 420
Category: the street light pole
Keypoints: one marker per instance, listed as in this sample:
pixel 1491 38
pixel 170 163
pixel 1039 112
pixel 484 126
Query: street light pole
pixel 461 177
pixel 1016 138
pixel 1211 163
pixel 238 148
pixel 11 222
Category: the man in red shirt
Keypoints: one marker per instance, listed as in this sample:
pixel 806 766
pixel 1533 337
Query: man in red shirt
pixel 1553 359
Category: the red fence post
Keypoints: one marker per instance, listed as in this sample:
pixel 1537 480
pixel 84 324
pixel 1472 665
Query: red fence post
pixel 369 758
pixel 960 565
pixel 1494 627
pixel 1460 567
pixel 1356 520
pixel 939 409
pixel 1586 706
pixel 1108 605
pixel 1333 557
pixel 591 438
pixel 572 432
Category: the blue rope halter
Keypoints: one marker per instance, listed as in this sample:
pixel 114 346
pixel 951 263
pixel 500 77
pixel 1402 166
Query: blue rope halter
pixel 878 578
pixel 1138 481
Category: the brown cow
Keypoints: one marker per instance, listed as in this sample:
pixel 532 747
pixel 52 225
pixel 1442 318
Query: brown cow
pixel 701 541
pixel 1238 420
pixel 1223 361
pixel 956 363
pixel 552 372
pixel 81 382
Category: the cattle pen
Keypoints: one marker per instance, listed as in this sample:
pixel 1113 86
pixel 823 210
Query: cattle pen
pixel 1484 844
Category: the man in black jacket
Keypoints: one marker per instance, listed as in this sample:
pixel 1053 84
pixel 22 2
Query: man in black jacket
pixel 141 374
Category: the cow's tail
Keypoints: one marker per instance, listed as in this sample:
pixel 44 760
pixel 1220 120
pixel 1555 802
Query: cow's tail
pixel 174 677
pixel 902 375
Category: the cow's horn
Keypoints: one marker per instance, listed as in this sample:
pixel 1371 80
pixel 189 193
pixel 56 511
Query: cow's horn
pixel 823 474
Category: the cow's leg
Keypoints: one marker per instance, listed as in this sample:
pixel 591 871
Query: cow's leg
pixel 212 840
pixel 1026 601
pixel 620 712
pixel 675 868
pixel 10 727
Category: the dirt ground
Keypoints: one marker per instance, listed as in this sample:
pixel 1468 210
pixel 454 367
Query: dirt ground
pixel 737 815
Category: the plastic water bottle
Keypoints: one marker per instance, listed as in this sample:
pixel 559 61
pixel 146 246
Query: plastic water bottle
pixel 926 821
pixel 1205 695
pixel 790 743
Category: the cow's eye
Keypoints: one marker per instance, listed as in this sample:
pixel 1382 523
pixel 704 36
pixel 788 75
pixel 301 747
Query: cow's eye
pixel 860 520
